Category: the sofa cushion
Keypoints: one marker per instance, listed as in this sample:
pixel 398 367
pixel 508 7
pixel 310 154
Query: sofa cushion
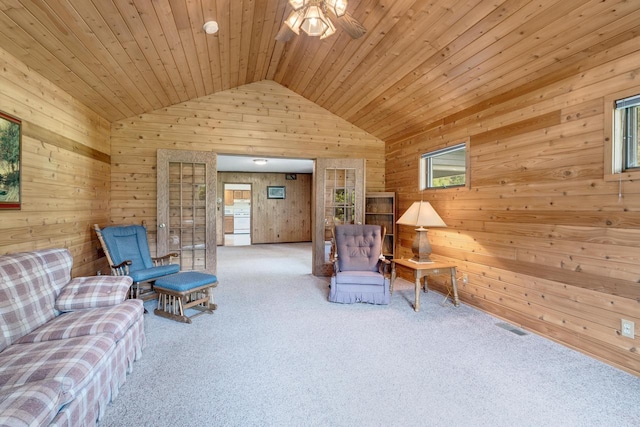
pixel 360 278
pixel 29 284
pixel 114 320
pixel 32 404
pixel 92 292
pixel 72 362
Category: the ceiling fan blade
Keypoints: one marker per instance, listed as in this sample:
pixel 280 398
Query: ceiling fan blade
pixel 351 26
pixel 285 34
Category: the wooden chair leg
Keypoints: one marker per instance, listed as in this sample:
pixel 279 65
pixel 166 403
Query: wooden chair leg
pixel 212 304
pixel 172 304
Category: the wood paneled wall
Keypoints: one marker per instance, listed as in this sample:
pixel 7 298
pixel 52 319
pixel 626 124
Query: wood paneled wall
pixel 546 242
pixel 260 119
pixel 273 220
pixel 65 169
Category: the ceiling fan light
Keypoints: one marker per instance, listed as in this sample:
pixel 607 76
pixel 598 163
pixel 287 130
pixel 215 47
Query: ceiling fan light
pixel 338 7
pixel 329 31
pixel 314 22
pixel 313 12
pixel 294 21
pixel 297 4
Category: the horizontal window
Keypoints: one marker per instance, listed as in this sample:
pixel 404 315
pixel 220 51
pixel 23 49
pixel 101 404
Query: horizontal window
pixel 626 126
pixel 444 168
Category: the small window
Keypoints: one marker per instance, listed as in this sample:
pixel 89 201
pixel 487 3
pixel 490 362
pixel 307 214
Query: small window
pixel 444 168
pixel 626 125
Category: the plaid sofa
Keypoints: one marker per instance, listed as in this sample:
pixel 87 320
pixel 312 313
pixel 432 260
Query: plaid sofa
pixel 66 345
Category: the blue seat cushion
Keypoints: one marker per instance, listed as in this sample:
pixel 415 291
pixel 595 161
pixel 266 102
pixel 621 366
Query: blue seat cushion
pixel 153 272
pixel 185 281
pixel 128 243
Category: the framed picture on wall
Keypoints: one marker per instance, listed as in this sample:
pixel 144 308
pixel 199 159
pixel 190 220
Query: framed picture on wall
pixel 276 192
pixel 10 142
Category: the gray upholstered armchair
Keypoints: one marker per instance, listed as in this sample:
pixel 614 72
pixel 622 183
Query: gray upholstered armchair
pixel 360 270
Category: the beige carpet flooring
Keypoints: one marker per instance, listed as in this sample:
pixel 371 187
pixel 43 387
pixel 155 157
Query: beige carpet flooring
pixel 276 353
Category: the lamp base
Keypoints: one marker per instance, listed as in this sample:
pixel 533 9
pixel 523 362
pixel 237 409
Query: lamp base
pixel 421 247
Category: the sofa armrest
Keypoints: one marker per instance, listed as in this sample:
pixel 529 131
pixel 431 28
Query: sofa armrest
pixel 93 292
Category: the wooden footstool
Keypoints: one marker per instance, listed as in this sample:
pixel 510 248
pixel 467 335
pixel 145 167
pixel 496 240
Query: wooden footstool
pixel 181 291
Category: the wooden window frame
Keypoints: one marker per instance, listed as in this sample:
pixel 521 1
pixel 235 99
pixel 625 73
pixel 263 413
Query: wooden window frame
pixel 422 168
pixel 613 167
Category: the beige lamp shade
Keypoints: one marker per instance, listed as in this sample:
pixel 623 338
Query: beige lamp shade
pixel 421 214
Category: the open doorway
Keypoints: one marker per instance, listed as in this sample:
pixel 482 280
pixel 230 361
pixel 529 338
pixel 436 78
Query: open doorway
pixel 237 214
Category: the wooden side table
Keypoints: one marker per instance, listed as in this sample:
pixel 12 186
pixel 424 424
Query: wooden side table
pixel 421 270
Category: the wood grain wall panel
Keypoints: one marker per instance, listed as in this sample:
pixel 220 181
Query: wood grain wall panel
pixel 420 60
pixel 70 118
pixel 261 119
pixel 65 169
pixel 547 243
pixel 616 42
pixel 273 220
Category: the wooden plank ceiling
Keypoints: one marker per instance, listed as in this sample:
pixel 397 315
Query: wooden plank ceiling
pixel 420 60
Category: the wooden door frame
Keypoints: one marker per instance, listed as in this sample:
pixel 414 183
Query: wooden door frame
pixel 209 158
pixel 251 233
pixel 319 266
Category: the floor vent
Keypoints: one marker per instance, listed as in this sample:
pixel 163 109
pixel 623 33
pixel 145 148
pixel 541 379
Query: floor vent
pixel 511 328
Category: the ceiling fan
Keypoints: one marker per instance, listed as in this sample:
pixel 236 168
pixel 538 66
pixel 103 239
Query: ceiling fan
pixel 313 17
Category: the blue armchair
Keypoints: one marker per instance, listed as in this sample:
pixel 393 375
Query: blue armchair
pixel 127 251
pixel 360 270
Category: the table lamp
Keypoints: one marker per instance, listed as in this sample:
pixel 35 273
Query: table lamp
pixel 421 214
